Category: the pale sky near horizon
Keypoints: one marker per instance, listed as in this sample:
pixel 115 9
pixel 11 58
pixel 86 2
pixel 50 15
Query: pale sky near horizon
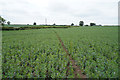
pixel 62 12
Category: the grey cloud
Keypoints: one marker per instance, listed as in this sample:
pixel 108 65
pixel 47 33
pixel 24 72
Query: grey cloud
pixel 88 13
pixel 58 7
pixel 60 11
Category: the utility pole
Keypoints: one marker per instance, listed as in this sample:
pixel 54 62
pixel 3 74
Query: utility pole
pixel 45 21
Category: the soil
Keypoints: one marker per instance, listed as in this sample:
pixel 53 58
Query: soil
pixel 76 68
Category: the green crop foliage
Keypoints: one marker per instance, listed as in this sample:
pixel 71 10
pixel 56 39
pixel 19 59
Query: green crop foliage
pixel 39 54
pixel 33 54
pixel 95 49
pixel 0 54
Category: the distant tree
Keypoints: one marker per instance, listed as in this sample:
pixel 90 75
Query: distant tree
pixel 72 24
pixel 54 24
pixel 81 23
pixel 2 21
pixel 92 24
pixel 8 22
pixel 34 23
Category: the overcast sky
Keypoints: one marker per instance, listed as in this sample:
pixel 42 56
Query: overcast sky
pixel 60 11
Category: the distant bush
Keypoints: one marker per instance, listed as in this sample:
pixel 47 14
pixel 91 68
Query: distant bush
pixel 92 24
pixel 86 25
pixel 34 23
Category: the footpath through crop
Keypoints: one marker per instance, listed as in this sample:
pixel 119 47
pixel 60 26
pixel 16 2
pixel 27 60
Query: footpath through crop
pixel 76 68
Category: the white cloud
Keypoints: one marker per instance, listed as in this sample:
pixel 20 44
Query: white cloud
pixel 60 11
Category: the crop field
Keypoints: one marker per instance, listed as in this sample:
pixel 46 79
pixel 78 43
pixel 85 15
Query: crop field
pixel 0 54
pixel 40 53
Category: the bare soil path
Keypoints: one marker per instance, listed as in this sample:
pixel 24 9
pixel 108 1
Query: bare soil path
pixel 76 68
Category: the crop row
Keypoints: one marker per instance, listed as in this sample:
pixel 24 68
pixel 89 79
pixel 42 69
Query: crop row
pixel 38 53
pixel 28 54
pixel 95 50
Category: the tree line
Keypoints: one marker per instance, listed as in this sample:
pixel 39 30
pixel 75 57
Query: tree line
pixel 81 23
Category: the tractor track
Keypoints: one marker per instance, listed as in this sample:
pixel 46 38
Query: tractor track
pixel 76 68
